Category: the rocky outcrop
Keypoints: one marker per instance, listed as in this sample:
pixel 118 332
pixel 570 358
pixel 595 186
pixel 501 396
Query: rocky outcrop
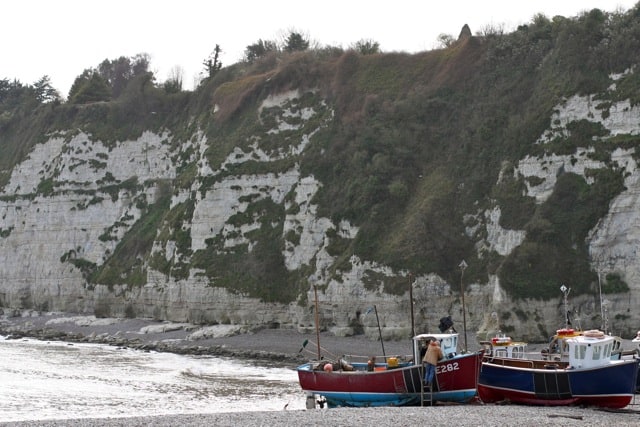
pixel 465 32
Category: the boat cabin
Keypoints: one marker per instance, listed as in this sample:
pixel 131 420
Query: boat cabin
pixel 503 346
pixel 448 344
pixel 559 344
pixel 636 340
pixel 590 350
pixel 558 347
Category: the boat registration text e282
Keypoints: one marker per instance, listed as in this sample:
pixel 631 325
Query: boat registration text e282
pixel 449 367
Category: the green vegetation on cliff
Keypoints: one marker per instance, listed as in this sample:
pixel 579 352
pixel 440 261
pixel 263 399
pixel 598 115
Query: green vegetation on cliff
pixel 405 147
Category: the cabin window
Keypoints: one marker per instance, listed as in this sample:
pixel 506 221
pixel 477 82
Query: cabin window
pixel 580 351
pixel 597 349
pixel 446 342
pixel 607 351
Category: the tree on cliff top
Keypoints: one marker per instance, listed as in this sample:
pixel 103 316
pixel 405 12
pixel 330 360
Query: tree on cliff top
pixel 43 90
pixel 119 72
pixel 366 47
pixel 295 41
pixel 259 49
pixel 212 64
pixel 109 80
pixel 89 87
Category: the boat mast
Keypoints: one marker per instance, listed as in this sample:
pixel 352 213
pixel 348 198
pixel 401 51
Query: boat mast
pixel 462 266
pixel 605 303
pixel 315 293
pixel 601 307
pixel 413 329
pixel 380 333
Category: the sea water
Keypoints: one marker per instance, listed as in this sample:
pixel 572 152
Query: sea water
pixel 56 380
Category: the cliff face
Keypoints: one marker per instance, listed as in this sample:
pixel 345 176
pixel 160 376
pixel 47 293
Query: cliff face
pixel 41 231
pixel 356 178
pixel 90 207
pixel 89 210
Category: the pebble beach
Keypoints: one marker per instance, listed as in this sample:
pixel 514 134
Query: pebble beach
pixel 439 415
pixel 283 347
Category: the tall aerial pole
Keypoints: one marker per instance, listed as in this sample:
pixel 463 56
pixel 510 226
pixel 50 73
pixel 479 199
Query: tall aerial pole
pixel 565 291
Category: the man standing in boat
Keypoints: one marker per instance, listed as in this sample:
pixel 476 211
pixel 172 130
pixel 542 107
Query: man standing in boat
pixel 430 360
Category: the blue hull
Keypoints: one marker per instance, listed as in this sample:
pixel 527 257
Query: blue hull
pixel 610 386
pixel 340 399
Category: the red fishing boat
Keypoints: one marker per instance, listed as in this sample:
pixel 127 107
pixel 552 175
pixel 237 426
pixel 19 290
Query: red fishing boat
pixel 395 382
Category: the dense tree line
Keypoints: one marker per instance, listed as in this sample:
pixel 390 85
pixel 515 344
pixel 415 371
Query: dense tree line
pixel 14 93
pixel 110 79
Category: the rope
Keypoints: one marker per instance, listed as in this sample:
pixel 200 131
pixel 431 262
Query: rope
pixel 325 350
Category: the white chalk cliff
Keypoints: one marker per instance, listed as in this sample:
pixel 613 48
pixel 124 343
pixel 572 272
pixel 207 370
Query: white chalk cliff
pixel 75 198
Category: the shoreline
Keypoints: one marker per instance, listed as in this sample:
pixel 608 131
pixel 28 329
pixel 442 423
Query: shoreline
pixel 281 346
pixel 285 347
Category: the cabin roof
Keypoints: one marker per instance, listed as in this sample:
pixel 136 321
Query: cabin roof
pixel 436 336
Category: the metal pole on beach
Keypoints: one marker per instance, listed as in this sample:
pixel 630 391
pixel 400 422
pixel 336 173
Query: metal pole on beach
pixel 462 266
